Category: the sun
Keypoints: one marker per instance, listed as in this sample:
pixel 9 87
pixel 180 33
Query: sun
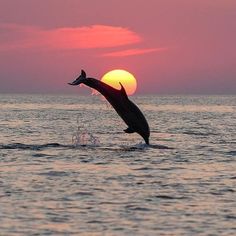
pixel 113 78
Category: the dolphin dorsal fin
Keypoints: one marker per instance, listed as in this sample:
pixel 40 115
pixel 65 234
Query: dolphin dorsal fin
pixel 122 90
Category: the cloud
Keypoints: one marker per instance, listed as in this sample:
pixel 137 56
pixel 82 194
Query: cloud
pixel 15 36
pixel 132 52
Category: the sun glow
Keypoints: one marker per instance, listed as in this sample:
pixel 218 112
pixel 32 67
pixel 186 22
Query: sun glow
pixel 124 77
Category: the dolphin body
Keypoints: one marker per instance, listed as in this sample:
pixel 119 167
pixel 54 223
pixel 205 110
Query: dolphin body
pixel 119 100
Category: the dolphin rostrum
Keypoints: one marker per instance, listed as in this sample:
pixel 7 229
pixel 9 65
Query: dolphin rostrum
pixel 119 100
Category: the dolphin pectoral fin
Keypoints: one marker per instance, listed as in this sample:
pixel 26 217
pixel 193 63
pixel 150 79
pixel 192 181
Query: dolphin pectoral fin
pixel 122 90
pixel 129 130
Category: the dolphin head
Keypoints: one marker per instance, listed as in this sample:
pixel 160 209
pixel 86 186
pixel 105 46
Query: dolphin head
pixel 81 79
pixel 144 131
pixel 146 139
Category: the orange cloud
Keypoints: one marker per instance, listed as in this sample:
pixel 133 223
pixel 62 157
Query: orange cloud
pixel 132 52
pixel 95 36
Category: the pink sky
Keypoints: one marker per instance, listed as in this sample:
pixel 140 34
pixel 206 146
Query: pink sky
pixel 171 46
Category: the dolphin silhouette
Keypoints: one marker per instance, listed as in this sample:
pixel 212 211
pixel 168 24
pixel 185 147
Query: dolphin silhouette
pixel 119 100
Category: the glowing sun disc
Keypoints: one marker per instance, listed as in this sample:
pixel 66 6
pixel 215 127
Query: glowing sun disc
pixel 124 77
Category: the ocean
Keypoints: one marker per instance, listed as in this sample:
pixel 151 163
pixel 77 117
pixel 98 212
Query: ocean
pixel 67 167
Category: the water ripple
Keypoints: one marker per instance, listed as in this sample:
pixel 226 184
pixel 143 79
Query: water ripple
pixel 56 181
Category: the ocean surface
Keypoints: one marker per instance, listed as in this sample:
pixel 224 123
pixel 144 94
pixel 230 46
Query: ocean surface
pixel 67 167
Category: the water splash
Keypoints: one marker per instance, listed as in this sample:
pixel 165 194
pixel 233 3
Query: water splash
pixel 82 137
pixel 129 146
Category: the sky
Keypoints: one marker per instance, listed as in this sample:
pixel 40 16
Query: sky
pixel 170 46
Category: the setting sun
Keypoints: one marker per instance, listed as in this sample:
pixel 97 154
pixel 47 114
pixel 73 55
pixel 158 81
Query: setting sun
pixel 124 77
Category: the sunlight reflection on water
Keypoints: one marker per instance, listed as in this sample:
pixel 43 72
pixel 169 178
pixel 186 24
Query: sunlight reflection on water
pixel 182 184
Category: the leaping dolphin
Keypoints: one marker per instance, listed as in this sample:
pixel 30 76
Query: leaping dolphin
pixel 119 100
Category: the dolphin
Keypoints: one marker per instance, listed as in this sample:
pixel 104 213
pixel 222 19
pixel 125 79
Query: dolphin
pixel 119 100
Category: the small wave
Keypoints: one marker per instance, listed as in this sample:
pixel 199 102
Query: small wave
pixel 137 208
pixel 199 133
pixel 231 153
pixel 140 146
pixel 83 193
pixel 55 173
pixel 23 146
pixel 230 217
pixel 136 148
pixel 144 168
pixel 167 197
pixel 95 222
pixel 143 146
pixel 157 146
pixel 78 144
pixel 40 155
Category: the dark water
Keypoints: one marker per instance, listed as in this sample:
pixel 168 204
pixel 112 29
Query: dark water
pixel 67 168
